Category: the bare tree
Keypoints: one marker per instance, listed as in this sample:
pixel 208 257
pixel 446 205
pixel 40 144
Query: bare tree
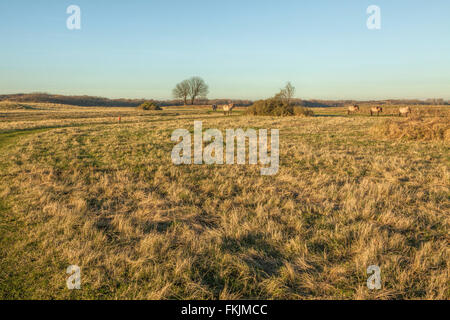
pixel 287 93
pixel 198 88
pixel 182 91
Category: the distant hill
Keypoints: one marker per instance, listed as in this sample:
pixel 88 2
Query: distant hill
pixel 91 101
pixel 84 101
pixel 342 103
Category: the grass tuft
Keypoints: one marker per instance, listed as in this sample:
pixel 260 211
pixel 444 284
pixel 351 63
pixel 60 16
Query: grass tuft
pixel 428 129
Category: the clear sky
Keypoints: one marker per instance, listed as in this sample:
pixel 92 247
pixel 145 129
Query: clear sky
pixel 242 48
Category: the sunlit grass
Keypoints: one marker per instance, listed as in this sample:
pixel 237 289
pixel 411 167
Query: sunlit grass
pixel 86 190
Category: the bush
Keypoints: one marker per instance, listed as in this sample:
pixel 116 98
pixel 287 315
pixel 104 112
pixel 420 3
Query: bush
pixel 302 111
pixel 149 106
pixel 414 129
pixel 276 107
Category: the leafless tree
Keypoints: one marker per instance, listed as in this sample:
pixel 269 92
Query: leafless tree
pixel 287 93
pixel 198 88
pixel 182 91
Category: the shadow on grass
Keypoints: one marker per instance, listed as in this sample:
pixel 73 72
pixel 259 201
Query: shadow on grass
pixel 267 257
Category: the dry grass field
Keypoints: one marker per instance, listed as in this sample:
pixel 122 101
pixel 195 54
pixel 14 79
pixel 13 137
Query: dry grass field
pixel 78 188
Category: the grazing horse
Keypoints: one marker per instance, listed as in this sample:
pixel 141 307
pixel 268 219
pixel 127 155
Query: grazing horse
pixel 376 110
pixel 214 107
pixel 404 111
pixel 351 109
pixel 227 108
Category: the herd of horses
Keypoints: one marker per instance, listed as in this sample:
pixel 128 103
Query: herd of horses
pixel 376 110
pixel 228 108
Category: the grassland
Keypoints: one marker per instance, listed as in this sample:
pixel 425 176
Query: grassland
pixel 77 187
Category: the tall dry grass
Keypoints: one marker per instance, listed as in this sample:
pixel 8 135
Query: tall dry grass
pixel 106 197
pixel 415 129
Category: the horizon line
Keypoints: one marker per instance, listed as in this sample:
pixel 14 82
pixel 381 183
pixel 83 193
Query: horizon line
pixel 227 98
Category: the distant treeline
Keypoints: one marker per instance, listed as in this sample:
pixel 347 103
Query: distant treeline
pixel 90 101
pixel 342 103
pixel 84 101
pixel 418 102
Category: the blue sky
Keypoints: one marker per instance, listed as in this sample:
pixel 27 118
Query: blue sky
pixel 243 49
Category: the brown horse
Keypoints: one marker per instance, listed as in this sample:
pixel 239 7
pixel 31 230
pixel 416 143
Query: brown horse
pixel 228 108
pixel 376 110
pixel 352 109
pixel 404 111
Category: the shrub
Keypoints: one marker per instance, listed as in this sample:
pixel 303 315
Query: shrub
pixel 149 106
pixel 302 111
pixel 415 129
pixel 276 107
